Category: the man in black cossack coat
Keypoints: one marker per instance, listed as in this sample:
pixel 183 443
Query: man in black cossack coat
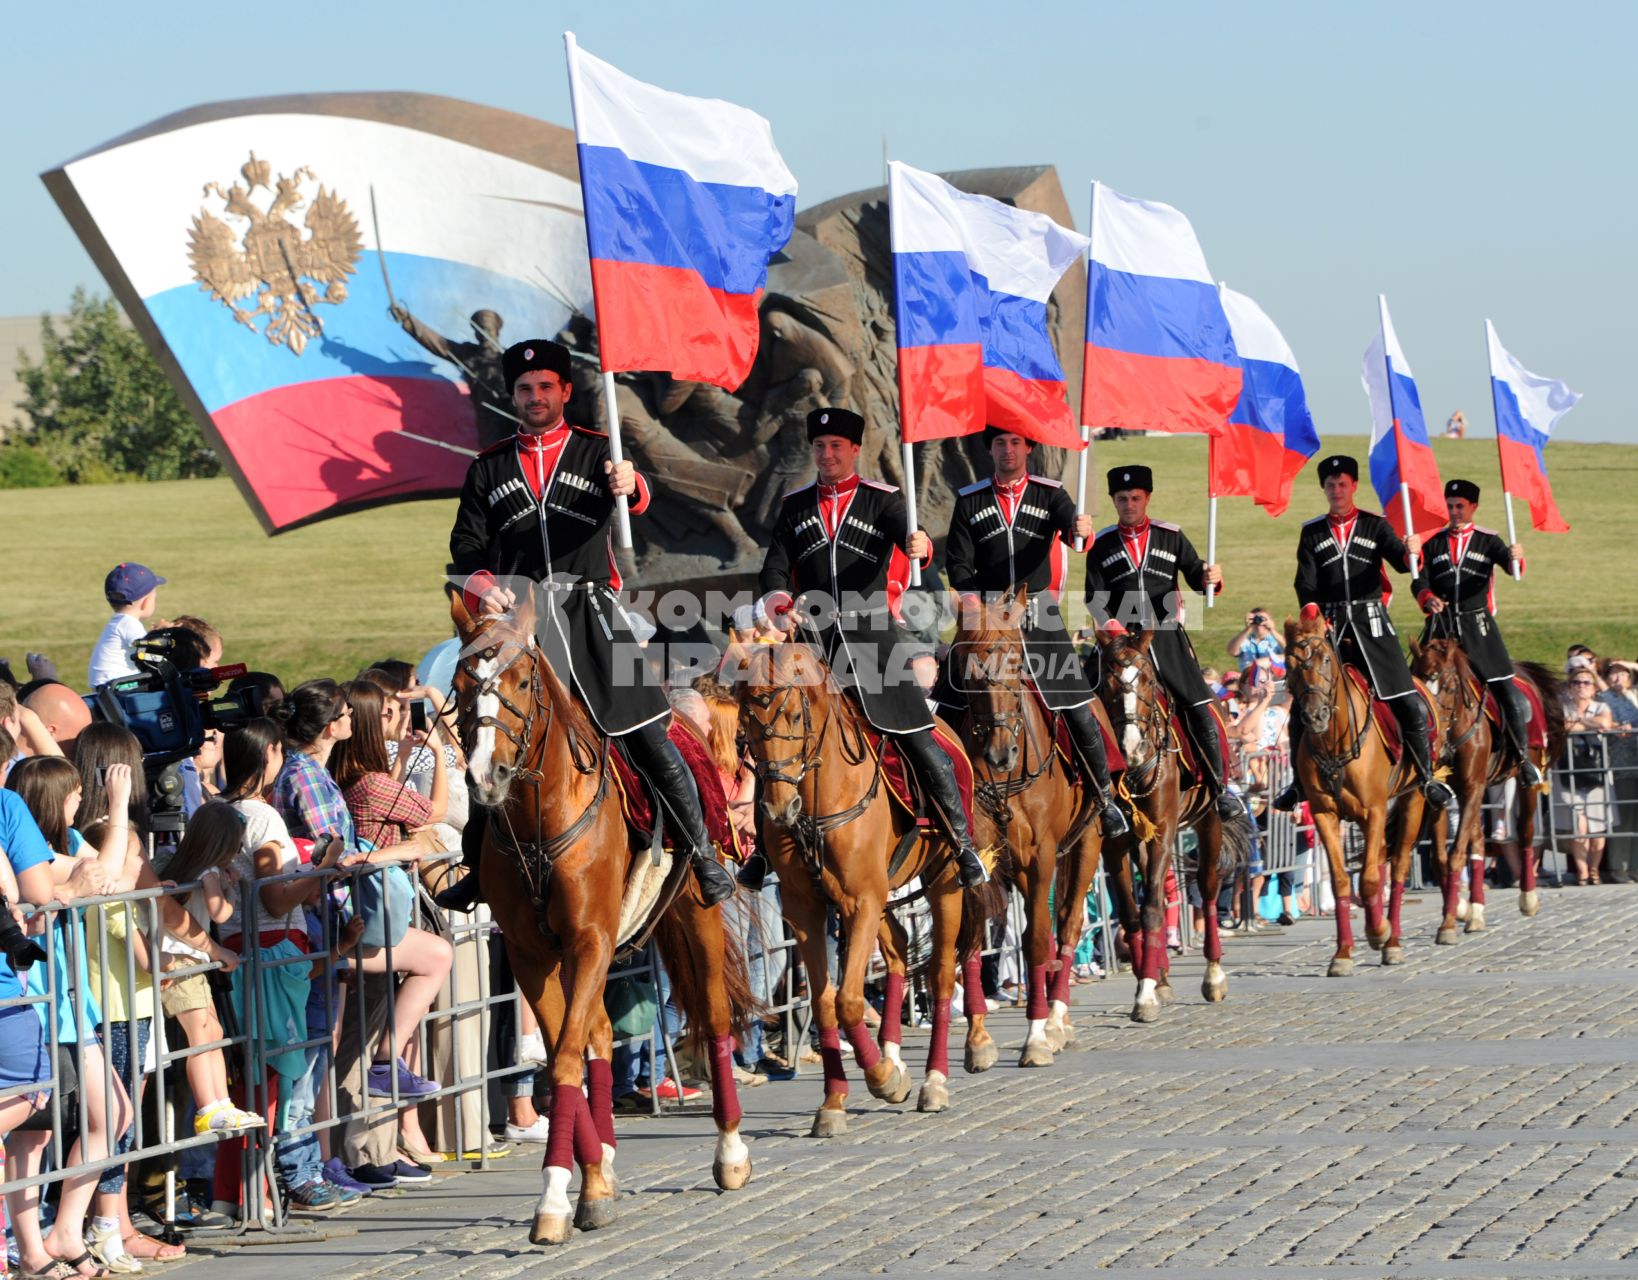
pixel 838 553
pixel 536 507
pixel 1456 589
pixel 1012 531
pixel 1343 559
pixel 1131 582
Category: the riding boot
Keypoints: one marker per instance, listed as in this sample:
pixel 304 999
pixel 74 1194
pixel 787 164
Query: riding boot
pixel 656 757
pixel 466 893
pixel 1516 716
pixel 753 872
pixel 1087 735
pixel 1412 715
pixel 1203 728
pixel 936 773
pixel 1292 796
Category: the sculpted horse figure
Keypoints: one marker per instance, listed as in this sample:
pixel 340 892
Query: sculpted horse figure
pixel 838 838
pixel 1480 755
pixel 1045 816
pixel 1347 774
pixel 556 859
pixel 1141 716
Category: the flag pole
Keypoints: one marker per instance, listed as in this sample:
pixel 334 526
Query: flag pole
pixel 1404 485
pixel 1495 413
pixel 909 456
pixel 611 413
pixel 1211 516
pixel 1080 468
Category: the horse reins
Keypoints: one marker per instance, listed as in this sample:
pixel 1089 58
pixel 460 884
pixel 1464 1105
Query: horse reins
pixel 1330 764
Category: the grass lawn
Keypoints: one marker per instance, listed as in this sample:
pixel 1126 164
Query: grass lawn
pixel 327 599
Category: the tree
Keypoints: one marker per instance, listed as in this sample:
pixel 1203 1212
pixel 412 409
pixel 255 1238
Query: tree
pixel 100 408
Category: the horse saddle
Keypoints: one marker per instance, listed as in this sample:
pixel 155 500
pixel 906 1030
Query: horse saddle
pixel 1066 745
pixel 637 801
pixel 1532 696
pixel 1387 724
pixel 1188 751
pixel 900 778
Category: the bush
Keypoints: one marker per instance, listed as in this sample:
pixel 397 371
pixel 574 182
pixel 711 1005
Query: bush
pixel 22 466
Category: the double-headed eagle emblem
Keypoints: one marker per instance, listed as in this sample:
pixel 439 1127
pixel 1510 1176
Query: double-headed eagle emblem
pixel 271 265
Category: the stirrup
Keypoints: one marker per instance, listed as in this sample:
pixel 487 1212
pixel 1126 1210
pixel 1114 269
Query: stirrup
pixel 1529 772
pixel 716 885
pixel 970 868
pixel 1114 821
pixel 753 873
pixel 1288 799
pixel 1229 806
pixel 462 896
pixel 1437 793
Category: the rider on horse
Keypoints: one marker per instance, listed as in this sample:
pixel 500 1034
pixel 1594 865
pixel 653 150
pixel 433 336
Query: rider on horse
pixel 537 507
pixel 1342 571
pixel 1011 531
pixel 1456 590
pixel 835 543
pixel 1131 580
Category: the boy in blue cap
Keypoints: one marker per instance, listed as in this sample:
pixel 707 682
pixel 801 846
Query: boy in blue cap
pixel 133 592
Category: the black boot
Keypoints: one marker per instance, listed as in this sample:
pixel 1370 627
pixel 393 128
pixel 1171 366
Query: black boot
pixel 1516 717
pixel 753 872
pixel 1292 796
pixel 1412 715
pixel 656 757
pixel 467 892
pixel 1087 735
pixel 1203 727
pixel 937 775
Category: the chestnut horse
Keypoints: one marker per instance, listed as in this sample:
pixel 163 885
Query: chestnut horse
pixel 1045 816
pixel 1480 756
pixel 1345 773
pixel 1140 714
pixel 830 829
pixel 554 865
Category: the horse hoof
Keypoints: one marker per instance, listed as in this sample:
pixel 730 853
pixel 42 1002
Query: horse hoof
pixel 589 1215
pixel 1446 937
pixel 1529 903
pixel 1341 967
pixel 1146 1012
pixel 894 1089
pixel 1054 1038
pixel 1165 994
pixel 732 1176
pixel 1461 909
pixel 1035 1054
pixel 934 1096
pixel 1393 955
pixel 1475 922
pixel 980 1058
pixel 1214 992
pixel 828 1123
pixel 551 1228
pixel 1071 1038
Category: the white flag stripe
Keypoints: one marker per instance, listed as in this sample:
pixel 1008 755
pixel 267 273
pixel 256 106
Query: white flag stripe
pixel 1542 401
pixel 1256 337
pixel 1144 237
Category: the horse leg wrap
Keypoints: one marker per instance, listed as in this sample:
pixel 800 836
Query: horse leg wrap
pixel 893 1010
pixel 972 987
pixel 588 1143
pixel 567 1100
pixel 1396 899
pixel 724 1094
pixel 1154 954
pixel 1060 980
pixel 600 1098
pixel 1373 912
pixel 938 1053
pixel 865 1052
pixel 830 1053
pixel 1037 992
pixel 1452 890
pixel 1475 879
pixel 1345 922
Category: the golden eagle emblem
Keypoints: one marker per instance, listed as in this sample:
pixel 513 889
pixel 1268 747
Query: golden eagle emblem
pixel 270 265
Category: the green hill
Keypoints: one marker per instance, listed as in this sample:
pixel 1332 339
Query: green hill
pixel 329 598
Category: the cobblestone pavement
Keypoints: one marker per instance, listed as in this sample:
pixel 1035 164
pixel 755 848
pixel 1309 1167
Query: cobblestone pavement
pixel 1470 1114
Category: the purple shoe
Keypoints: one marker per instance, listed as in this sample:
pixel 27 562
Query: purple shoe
pixel 410 1085
pixel 335 1173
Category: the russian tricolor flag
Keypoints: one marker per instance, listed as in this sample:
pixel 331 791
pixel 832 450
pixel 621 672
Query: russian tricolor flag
pixel 972 278
pixel 1270 434
pixel 1159 353
pixel 1528 407
pixel 686 201
pixel 1402 462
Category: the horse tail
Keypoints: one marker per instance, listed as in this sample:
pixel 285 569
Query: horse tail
pixel 1234 848
pixel 1551 688
pixel 684 965
pixel 979 905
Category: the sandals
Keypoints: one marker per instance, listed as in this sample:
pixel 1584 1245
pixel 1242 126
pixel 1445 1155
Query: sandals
pixel 56 1269
pixel 155 1249
pixel 74 1265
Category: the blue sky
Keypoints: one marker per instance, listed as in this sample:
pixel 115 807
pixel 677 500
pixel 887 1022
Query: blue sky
pixel 1466 159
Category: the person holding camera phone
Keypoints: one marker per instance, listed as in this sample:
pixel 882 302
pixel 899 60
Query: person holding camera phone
pixel 1257 641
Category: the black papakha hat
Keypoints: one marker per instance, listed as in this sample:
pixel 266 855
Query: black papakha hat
pixel 1462 489
pixel 1131 478
pixel 836 422
pixel 990 434
pixel 537 353
pixel 1338 464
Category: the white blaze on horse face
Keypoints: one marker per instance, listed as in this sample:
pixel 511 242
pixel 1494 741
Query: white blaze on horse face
pixel 1130 737
pixel 483 753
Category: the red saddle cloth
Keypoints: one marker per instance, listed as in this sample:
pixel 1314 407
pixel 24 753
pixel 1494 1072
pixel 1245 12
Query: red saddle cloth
pixel 897 775
pixel 1188 755
pixel 1066 748
pixel 638 805
pixel 1389 725
pixel 1538 718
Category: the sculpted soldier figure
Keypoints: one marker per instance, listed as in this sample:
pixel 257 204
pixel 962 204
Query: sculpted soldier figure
pixel 480 365
pixel 1456 589
pixel 1010 531
pixel 537 507
pixel 837 540
pixel 1131 580
pixel 1342 571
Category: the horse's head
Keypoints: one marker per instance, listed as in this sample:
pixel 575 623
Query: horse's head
pixel 1130 690
pixel 782 698
pixel 988 665
pixel 1437 663
pixel 498 688
pixel 1312 671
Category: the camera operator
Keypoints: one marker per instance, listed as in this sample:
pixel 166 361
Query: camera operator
pixel 1258 640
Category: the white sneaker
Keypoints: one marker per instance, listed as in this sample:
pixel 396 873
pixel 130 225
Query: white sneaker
pixel 532 1048
pixel 536 1132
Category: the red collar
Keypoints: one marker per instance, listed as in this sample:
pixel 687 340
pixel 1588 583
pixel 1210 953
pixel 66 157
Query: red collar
pixel 1013 488
pixel 1457 533
pixel 841 488
pixel 1339 521
pixel 1136 530
pixel 535 441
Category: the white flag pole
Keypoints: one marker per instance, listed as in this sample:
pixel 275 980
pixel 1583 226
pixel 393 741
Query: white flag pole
pixel 611 413
pixel 1495 413
pixel 1404 486
pixel 1211 516
pixel 1080 478
pixel 914 521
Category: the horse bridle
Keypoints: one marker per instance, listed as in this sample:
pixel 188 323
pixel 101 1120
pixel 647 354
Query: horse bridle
pixel 1015 724
pixel 1330 764
pixel 1151 716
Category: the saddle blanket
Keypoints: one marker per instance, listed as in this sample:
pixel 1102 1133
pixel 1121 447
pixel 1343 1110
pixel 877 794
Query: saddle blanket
pixel 898 775
pixel 638 804
pixel 1538 719
pixel 1388 725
